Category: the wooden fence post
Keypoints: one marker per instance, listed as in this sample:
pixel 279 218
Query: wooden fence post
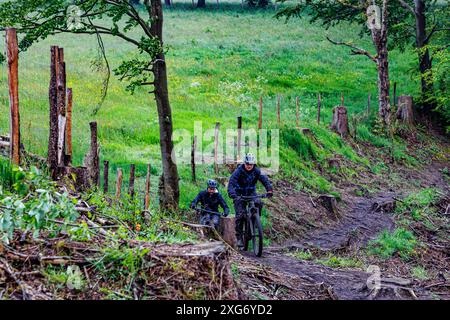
pixel 194 146
pixel 260 113
pixel 296 112
pixel 319 102
pixel 69 127
pixel 52 157
pixel 132 177
pixel 368 105
pixel 61 97
pixel 239 137
pixel 95 169
pixel 105 176
pixel 13 83
pixel 119 183
pixel 147 189
pixel 216 147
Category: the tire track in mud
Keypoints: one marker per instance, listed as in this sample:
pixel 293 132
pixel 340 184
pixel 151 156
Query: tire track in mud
pixel 361 224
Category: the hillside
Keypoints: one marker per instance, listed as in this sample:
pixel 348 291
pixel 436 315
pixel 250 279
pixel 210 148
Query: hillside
pixel 391 189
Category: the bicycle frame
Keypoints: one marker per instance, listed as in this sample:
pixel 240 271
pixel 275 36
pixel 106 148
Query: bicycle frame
pixel 250 219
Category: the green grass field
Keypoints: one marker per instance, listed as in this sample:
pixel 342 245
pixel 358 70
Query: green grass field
pixel 219 63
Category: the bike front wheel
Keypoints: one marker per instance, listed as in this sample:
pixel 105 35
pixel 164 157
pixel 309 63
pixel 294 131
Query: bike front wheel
pixel 257 235
pixel 247 234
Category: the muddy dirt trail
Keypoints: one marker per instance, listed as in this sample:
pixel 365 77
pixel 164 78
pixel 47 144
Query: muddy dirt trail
pixel 364 220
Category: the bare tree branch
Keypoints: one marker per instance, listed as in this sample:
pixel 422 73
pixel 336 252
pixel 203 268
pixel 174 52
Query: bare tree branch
pixel 355 50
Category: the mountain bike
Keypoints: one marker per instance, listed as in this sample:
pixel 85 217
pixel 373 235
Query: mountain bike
pixel 252 225
pixel 211 221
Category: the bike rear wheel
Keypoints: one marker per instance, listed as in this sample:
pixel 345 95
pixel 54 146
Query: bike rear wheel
pixel 257 235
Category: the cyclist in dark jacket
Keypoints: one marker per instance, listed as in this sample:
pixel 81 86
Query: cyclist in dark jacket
pixel 243 183
pixel 210 200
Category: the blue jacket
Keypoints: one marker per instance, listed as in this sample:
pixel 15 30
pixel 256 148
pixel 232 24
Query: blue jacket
pixel 211 202
pixel 243 182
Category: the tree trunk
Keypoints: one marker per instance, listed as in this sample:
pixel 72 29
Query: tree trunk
pixel 169 191
pixel 168 3
pixel 379 38
pixel 384 105
pixel 201 3
pixel 425 64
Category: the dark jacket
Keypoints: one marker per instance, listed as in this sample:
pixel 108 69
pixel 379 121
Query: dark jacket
pixel 243 182
pixel 211 202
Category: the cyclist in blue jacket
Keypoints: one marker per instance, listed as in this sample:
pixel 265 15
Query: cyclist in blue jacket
pixel 243 183
pixel 210 200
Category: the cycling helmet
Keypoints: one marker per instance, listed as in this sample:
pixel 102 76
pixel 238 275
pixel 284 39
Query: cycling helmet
pixel 250 158
pixel 212 183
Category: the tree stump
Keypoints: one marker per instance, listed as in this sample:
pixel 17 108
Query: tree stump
pixel 76 177
pixel 329 202
pixel 405 110
pixel 227 230
pixel 340 121
pixel 385 206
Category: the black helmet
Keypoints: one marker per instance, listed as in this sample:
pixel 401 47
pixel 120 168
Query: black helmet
pixel 250 158
pixel 212 183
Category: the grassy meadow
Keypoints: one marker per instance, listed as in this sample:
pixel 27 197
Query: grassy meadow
pixel 220 61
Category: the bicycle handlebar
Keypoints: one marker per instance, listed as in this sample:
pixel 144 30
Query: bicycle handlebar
pixel 204 210
pixel 253 197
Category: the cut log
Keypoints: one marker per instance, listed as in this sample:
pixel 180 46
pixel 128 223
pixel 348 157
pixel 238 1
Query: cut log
pixel 405 110
pixel 227 230
pixel 340 121
pixel 329 202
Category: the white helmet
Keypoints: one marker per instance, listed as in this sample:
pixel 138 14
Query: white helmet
pixel 250 158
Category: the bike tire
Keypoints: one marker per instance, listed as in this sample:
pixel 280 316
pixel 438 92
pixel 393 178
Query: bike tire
pixel 257 239
pixel 247 234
